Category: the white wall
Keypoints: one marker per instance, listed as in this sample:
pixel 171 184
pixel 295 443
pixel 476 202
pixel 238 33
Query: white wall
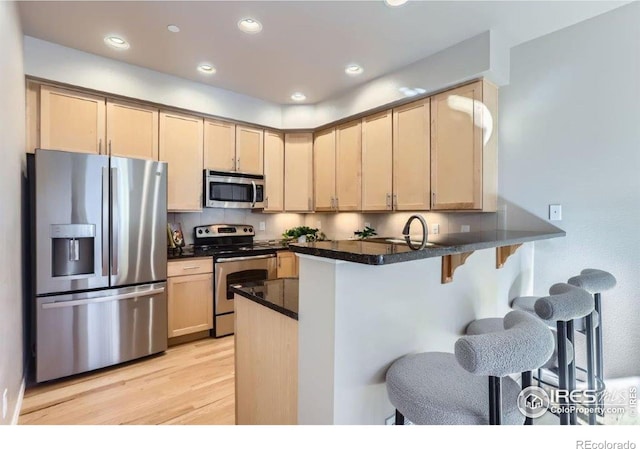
pixel 570 134
pixel 12 144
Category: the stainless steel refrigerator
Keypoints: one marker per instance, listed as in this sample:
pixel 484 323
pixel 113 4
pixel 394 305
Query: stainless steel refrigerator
pixel 100 232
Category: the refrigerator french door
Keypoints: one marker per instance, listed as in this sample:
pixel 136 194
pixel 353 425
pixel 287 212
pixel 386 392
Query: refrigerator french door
pixel 100 235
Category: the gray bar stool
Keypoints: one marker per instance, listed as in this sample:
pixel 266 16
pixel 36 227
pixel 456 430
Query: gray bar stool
pixel 558 310
pixel 471 386
pixel 595 282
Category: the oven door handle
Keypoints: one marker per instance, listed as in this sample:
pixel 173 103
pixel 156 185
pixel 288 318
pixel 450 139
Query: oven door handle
pixel 240 259
pixel 255 193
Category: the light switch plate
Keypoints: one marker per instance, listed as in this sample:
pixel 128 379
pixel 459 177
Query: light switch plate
pixel 465 228
pixel 555 212
pixel 367 224
pixel 262 226
pixel 435 228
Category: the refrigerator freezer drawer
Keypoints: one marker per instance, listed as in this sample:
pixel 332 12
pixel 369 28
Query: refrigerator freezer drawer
pixel 82 332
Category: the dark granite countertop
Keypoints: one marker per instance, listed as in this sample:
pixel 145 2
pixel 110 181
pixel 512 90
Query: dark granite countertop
pixel 379 252
pixel 280 295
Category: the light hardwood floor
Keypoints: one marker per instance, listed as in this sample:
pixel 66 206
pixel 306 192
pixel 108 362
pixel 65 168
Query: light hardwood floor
pixel 192 383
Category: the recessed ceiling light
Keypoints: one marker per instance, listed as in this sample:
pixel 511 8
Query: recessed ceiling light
pixel 250 26
pixel 207 69
pixel 353 70
pixel 173 28
pixel 116 42
pixel 298 96
pixel 395 2
pixel 409 92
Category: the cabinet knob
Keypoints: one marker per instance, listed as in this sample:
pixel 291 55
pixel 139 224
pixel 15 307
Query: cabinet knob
pixel 99 146
pixel 109 146
pixel 238 164
pixel 388 200
pixel 395 200
pixel 266 202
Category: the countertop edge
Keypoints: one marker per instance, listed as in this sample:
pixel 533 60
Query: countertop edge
pixel 431 252
pixel 262 302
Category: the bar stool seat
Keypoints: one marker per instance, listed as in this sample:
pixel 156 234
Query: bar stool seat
pixel 489 325
pixel 471 386
pixel 432 388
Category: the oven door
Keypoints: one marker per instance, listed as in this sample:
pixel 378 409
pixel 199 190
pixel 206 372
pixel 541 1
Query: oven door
pixel 236 270
pixel 234 190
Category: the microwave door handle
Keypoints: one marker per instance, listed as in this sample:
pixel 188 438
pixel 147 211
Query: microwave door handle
pixel 255 193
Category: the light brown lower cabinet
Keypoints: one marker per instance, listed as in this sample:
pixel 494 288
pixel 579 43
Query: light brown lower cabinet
pixel 190 297
pixel 287 265
pixel 266 365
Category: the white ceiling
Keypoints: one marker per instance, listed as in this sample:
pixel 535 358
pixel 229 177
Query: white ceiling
pixel 304 45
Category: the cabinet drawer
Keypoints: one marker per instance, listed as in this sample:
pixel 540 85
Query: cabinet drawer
pixel 190 266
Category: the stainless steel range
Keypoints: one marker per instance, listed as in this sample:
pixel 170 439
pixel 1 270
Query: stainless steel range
pixel 237 259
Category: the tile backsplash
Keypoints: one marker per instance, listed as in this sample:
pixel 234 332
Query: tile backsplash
pixel 336 226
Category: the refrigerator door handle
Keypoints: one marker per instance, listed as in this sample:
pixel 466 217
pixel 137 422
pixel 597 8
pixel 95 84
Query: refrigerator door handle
pixel 105 221
pixel 115 218
pixel 82 302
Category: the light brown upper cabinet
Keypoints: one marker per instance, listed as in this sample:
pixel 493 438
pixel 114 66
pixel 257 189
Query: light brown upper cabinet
pixel 377 162
pixel 348 166
pixel 219 145
pixel 71 121
pixel 464 148
pixel 298 172
pixel 132 130
pixel 411 156
pixel 33 116
pixel 181 147
pixel 324 170
pixel 273 171
pixel 249 149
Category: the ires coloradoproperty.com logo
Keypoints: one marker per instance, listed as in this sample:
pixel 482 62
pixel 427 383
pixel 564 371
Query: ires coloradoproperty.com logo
pixel 533 402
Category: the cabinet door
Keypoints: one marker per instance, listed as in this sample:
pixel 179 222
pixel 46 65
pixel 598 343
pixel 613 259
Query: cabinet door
pixel 190 304
pixel 324 170
pixel 349 166
pixel 411 147
pixel 287 265
pixel 249 152
pixel 71 121
pixel 456 148
pixel 219 145
pixel 132 130
pixel 377 162
pixel 274 171
pixel 181 148
pixel 298 172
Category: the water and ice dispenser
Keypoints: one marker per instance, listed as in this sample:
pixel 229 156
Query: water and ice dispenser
pixel 72 250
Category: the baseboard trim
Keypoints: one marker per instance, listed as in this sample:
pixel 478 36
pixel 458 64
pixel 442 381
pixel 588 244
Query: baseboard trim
pixel 16 412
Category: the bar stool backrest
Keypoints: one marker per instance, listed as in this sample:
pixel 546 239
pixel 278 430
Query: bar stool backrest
pixel 565 303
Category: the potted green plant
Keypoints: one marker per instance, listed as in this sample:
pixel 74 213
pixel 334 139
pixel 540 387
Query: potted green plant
pixel 365 233
pixel 303 234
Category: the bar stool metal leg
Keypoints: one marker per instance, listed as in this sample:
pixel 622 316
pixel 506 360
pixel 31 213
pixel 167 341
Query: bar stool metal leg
pixel 599 349
pixel 590 362
pixel 495 401
pixel 571 379
pixel 399 418
pixel 562 370
pixel 526 382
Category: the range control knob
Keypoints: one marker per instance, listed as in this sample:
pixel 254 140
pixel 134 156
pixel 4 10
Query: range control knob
pixel 206 230
pixel 246 230
pixel 199 231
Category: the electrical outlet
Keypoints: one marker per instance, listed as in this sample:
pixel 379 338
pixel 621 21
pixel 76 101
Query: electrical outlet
pixel 465 228
pixel 5 403
pixel 262 226
pixel 367 225
pixel 555 212
pixel 435 228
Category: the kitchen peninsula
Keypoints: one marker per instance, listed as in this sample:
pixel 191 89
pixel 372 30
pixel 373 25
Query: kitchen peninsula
pixel 363 304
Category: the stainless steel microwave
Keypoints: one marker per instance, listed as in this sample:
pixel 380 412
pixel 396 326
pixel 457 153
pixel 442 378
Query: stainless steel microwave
pixel 233 190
